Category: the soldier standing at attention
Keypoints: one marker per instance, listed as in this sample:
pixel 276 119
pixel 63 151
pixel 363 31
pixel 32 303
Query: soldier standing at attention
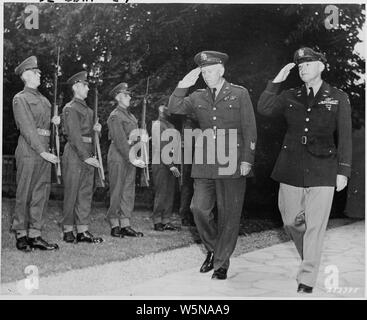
pixel 164 176
pixel 121 170
pixel 78 163
pixel 218 108
pixel 32 113
pixel 311 164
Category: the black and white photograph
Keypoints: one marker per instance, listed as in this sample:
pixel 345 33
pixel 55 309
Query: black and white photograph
pixel 182 151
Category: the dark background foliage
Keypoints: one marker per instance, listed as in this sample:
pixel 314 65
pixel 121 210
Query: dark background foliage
pixel 134 41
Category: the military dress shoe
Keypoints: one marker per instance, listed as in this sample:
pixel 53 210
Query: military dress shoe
pixel 69 237
pixel 302 288
pixel 116 232
pixel 39 243
pixel 220 274
pixel 130 232
pixel 159 227
pixel 208 263
pixel 170 227
pixel 87 237
pixel 23 245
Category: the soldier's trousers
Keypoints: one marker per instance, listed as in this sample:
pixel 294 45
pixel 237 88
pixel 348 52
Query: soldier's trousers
pixel 33 189
pixel 220 237
pixel 164 186
pixel 122 193
pixel 315 203
pixel 78 180
pixel 187 191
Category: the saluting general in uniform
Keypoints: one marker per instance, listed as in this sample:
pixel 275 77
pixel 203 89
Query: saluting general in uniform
pixel 122 169
pixel 32 114
pixel 164 175
pixel 311 163
pixel 78 163
pixel 218 108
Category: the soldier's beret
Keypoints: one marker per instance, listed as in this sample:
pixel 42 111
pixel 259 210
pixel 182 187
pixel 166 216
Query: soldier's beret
pixel 206 58
pixel 306 55
pixel 121 87
pixel 28 64
pixel 81 76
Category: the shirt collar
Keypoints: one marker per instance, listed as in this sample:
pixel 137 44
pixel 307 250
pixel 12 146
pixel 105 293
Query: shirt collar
pixel 31 90
pixel 315 88
pixel 219 87
pixel 82 102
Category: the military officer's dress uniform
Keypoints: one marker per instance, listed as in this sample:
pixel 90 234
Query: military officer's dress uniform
pixel 78 176
pixel 32 114
pixel 163 179
pixel 231 108
pixel 121 171
pixel 309 161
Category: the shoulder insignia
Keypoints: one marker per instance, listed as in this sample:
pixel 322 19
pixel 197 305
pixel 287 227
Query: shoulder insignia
pixel 237 86
pixel 200 90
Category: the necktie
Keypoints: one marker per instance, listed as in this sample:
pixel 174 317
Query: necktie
pixel 310 97
pixel 213 93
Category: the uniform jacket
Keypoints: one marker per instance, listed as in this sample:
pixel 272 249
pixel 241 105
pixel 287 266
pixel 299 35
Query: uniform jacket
pixel 158 127
pixel 78 123
pixel 232 109
pixel 32 111
pixel 318 142
pixel 120 124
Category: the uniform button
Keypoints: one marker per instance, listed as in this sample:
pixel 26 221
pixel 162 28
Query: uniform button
pixel 214 108
pixel 307 119
pixel 215 127
pixel 214 118
pixel 306 129
pixel 230 106
pixel 309 110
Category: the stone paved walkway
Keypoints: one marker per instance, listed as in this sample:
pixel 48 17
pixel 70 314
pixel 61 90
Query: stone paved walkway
pixel 265 273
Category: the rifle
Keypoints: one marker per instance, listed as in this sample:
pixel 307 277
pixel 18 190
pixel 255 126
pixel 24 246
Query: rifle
pixel 55 139
pixel 144 178
pixel 97 146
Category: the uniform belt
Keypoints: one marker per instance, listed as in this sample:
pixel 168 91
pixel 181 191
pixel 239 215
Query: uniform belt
pixel 43 132
pixel 87 139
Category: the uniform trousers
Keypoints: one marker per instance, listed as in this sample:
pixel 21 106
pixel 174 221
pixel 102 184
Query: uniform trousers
pixel 33 189
pixel 219 237
pixel 122 193
pixel 315 203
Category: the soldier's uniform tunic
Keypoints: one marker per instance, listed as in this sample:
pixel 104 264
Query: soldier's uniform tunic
pixel 309 162
pixel 78 176
pixel 163 179
pixel 121 171
pixel 232 109
pixel 32 112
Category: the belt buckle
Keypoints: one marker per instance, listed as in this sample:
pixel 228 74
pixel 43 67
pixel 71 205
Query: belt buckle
pixel 304 139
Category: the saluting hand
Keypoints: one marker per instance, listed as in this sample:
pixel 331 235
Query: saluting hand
pixel 283 74
pixel 50 157
pixel 175 172
pixel 92 162
pixel 190 79
pixel 56 120
pixel 341 182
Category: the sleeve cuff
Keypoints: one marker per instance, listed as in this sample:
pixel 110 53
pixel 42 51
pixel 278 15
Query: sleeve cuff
pixel 344 170
pixel 273 87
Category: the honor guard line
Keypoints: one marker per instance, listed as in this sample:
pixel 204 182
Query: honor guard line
pixel 171 153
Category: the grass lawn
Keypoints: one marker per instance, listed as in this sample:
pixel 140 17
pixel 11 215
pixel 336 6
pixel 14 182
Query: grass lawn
pixel 76 256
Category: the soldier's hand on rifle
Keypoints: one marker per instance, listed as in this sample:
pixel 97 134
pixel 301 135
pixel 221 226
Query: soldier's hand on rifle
pixel 144 137
pixel 283 74
pixel 139 163
pixel 92 162
pixel 97 127
pixel 50 157
pixel 56 120
pixel 175 172
pixel 190 79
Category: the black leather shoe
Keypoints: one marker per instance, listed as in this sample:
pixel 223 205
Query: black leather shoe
pixel 39 243
pixel 116 232
pixel 69 237
pixel 130 232
pixel 88 237
pixel 208 263
pixel 220 274
pixel 170 227
pixel 302 288
pixel 158 227
pixel 23 245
